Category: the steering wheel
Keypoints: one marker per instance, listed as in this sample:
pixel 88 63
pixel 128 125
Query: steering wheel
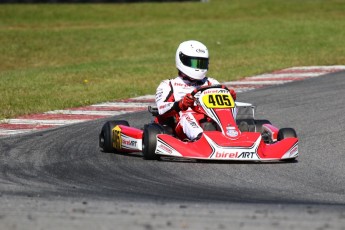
pixel 203 88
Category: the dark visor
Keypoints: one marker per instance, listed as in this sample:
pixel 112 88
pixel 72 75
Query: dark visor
pixel 194 62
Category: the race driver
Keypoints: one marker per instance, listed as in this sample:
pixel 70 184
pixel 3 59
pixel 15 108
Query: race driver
pixel 173 96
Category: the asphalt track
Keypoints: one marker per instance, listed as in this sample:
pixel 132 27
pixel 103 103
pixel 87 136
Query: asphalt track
pixel 59 179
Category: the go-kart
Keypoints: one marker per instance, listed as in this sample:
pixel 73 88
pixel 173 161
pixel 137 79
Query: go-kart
pixel 230 133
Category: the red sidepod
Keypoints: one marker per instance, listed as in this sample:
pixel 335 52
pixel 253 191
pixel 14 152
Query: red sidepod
pixel 130 139
pixel 131 131
pixel 284 149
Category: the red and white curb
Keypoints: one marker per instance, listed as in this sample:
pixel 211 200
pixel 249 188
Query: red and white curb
pixel 29 123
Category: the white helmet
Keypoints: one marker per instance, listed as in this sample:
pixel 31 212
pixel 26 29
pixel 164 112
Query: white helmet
pixel 192 59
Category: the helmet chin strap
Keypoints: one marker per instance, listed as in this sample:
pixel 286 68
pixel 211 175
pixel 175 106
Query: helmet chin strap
pixel 186 77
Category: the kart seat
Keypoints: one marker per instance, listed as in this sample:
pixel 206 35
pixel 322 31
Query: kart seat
pixel 166 123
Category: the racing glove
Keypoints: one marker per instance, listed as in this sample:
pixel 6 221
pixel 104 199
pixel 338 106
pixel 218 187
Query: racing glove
pixel 233 94
pixel 186 102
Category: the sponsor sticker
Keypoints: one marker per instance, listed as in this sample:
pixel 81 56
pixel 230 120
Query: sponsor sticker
pixel 231 131
pixel 226 155
pixel 129 143
pixel 235 155
pixel 200 51
pixel 191 121
pixel 246 155
pixel 165 148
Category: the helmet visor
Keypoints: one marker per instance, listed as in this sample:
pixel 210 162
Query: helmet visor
pixel 194 62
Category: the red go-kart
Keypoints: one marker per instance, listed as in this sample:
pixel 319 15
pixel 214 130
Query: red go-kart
pixel 230 133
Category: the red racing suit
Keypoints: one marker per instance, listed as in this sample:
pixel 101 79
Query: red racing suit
pixel 169 92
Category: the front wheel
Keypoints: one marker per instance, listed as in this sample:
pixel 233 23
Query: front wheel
pixel 286 133
pixel 259 124
pixel 106 135
pixel 150 140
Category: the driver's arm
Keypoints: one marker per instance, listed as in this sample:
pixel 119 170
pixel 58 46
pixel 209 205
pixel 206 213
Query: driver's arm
pixel 166 104
pixel 165 100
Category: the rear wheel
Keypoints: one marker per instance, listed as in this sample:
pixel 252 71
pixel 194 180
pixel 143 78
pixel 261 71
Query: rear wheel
pixel 106 135
pixel 286 133
pixel 150 140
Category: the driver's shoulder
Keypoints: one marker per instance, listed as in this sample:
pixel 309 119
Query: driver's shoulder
pixel 212 81
pixel 164 83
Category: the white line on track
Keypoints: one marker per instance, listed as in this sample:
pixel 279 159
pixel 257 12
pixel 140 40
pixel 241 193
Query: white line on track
pixel 134 104
pixel 85 112
pixel 43 122
pixel 333 67
pixel 5 132
pixel 146 97
pixel 122 104
pixel 242 89
pixel 257 82
pixel 285 75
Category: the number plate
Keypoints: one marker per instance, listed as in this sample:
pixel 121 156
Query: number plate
pixel 220 101
pixel 117 140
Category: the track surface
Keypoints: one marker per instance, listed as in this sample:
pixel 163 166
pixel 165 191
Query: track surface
pixel 59 179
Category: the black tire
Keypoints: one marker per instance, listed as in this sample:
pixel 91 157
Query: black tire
pixel 150 140
pixel 286 133
pixel 259 123
pixel 106 135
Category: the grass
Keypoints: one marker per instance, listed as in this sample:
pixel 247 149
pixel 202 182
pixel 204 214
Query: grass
pixel 60 56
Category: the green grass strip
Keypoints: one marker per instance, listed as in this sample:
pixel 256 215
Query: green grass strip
pixel 58 56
